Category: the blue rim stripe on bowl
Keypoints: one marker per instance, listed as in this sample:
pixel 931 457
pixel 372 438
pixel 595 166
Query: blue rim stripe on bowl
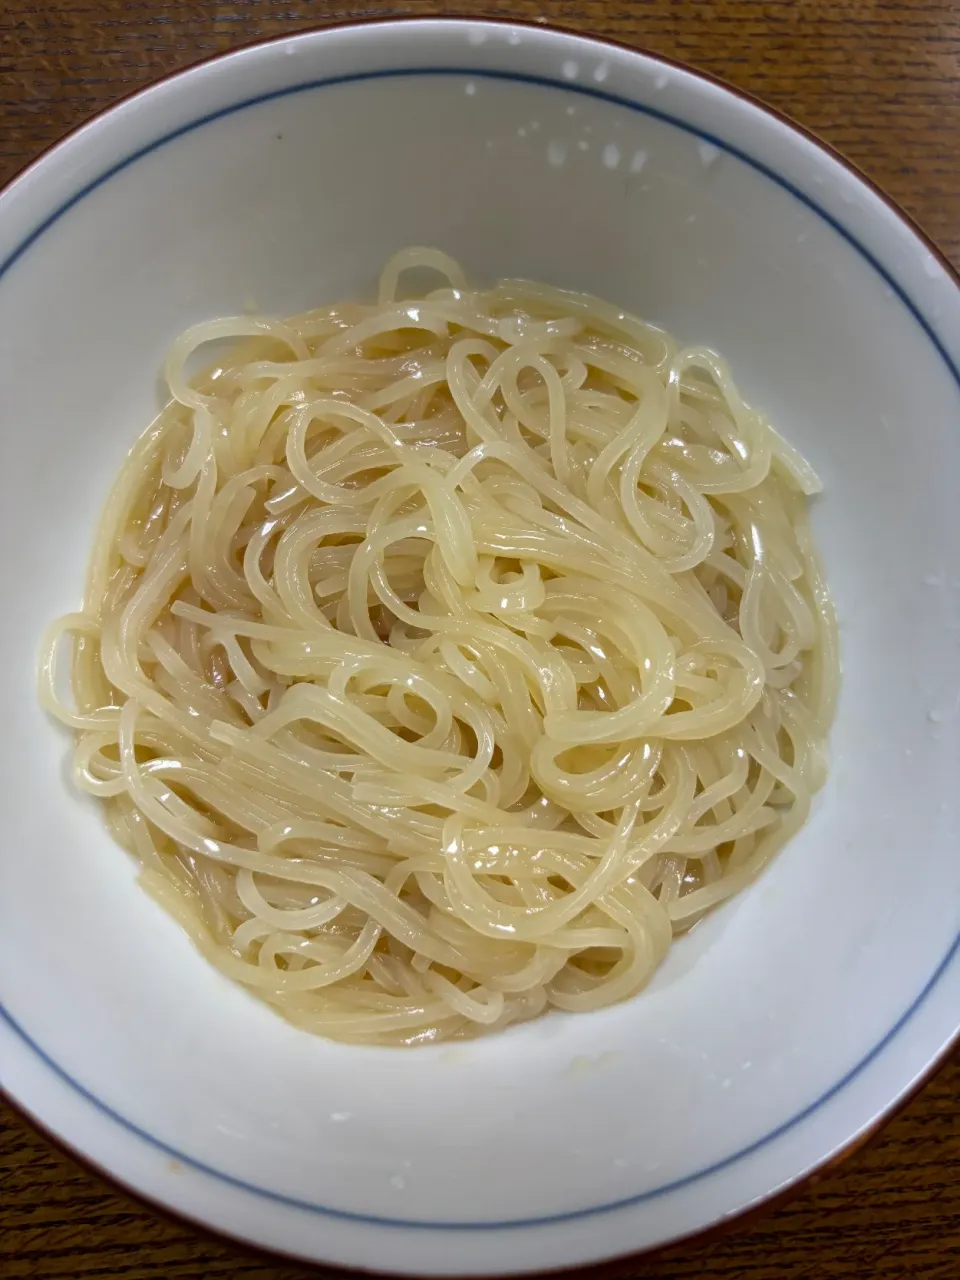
pixel 760 1143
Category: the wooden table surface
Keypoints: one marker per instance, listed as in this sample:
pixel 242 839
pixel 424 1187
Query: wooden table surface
pixel 880 79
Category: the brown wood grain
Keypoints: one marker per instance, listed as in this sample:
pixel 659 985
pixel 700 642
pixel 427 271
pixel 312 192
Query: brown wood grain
pixel 880 79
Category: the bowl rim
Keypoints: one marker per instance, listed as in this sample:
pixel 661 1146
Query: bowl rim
pixel 868 1134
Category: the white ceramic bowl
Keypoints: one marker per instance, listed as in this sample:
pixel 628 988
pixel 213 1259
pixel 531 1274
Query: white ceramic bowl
pixel 791 1020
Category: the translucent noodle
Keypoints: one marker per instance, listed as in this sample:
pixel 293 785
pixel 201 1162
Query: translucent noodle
pixel 440 660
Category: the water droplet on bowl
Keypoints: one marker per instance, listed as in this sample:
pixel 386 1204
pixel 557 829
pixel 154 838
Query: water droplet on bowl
pixel 476 36
pixel 557 153
pixel 709 153
pixel 583 145
pixel 637 161
pixel 470 89
pixel 662 80
pixel 514 37
pixel 570 69
pixel 611 155
pixel 931 266
pixel 601 71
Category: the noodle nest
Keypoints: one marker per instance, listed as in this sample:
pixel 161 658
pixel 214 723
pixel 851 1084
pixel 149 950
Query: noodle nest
pixel 441 659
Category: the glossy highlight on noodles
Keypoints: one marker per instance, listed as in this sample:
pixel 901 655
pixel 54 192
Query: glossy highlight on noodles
pixel 441 659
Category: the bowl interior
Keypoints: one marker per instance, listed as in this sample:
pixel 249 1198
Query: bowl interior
pixel 554 159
